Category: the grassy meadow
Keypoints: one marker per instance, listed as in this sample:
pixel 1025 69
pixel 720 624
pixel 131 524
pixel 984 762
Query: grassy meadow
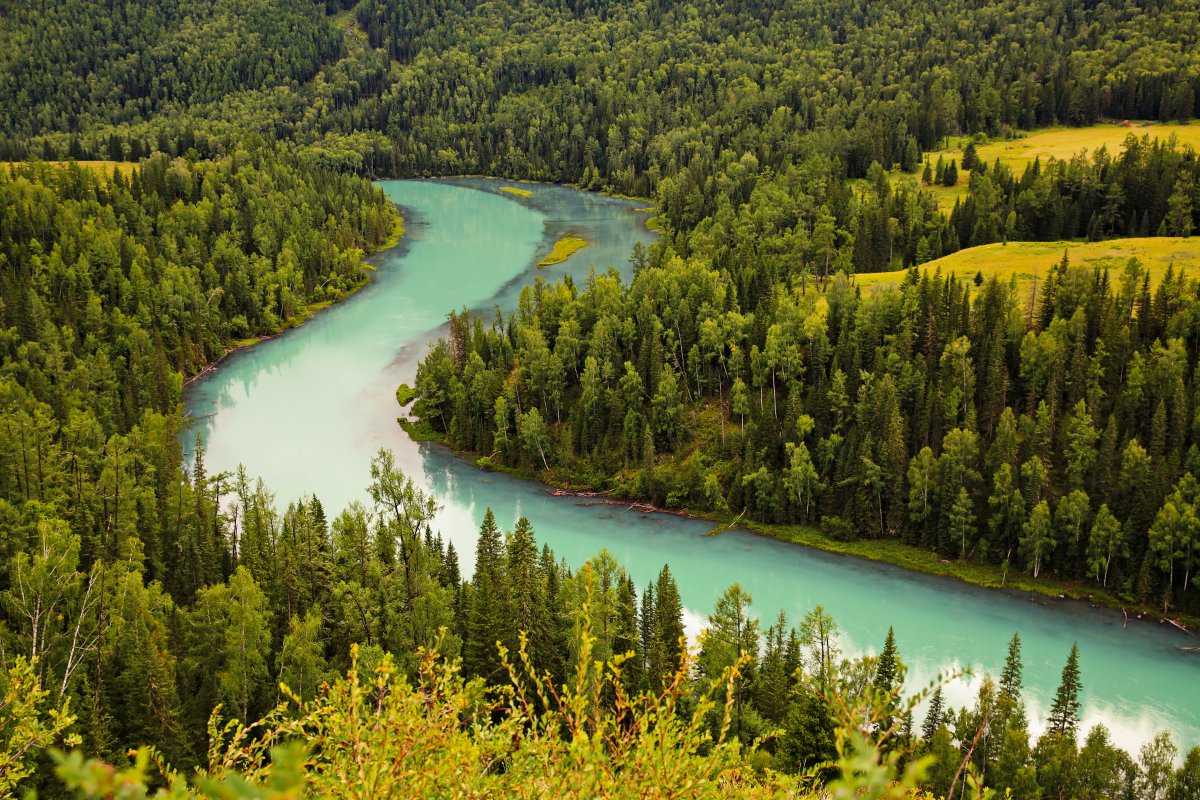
pixel 564 248
pixel 1024 260
pixel 1048 143
pixel 106 167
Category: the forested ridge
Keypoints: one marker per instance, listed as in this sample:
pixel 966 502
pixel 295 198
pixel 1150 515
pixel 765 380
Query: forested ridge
pixel 1048 428
pixel 68 66
pixel 1051 430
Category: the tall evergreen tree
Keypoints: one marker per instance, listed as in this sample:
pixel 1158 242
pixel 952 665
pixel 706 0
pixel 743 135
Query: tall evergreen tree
pixel 1064 713
pixel 1011 677
pixel 488 619
pixel 667 647
pixel 933 715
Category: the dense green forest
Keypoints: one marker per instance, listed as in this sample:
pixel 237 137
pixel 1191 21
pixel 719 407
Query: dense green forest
pixel 627 95
pixel 296 597
pixel 69 66
pixel 1056 438
pixel 741 372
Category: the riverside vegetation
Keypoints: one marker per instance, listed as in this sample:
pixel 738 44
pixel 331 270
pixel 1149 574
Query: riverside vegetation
pixel 1048 432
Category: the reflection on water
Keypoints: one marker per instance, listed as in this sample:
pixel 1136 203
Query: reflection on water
pixel 307 410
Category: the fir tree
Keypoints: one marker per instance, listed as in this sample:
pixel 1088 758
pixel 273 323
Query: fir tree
pixel 667 647
pixel 1010 678
pixel 486 621
pixel 933 716
pixel 1064 713
pixel 970 159
pixel 887 665
pixel 950 178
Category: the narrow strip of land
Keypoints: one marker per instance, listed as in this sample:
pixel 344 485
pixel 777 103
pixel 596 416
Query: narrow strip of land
pixel 566 246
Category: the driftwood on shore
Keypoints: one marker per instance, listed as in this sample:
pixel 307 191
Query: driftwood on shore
pixel 219 360
pixel 600 499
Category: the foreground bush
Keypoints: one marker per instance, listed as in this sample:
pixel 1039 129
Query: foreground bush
pixel 377 736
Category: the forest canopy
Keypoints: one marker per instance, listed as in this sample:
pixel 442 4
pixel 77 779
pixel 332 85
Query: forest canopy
pixel 1051 430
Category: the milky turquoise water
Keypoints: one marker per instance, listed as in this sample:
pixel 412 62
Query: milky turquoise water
pixel 307 411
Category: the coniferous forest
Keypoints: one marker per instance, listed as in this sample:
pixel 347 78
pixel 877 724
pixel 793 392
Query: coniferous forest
pixel 184 178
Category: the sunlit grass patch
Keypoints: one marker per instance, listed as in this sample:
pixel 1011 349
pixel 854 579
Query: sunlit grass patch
pixel 104 167
pixel 1025 260
pixel 564 248
pixel 1045 144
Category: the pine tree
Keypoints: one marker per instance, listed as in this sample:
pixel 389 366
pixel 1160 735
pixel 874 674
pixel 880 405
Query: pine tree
pixel 933 715
pixel 1064 713
pixel 627 638
pixel 887 665
pixel 887 675
pixel 646 622
pixel 667 648
pixel 970 159
pixel 486 621
pixel 1010 678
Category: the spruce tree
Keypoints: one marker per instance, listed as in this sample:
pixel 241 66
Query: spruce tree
pixel 1010 678
pixel 933 715
pixel 970 159
pixel 526 594
pixel 488 606
pixel 887 665
pixel 950 178
pixel 667 648
pixel 646 623
pixel 627 638
pixel 1064 714
pixel 887 674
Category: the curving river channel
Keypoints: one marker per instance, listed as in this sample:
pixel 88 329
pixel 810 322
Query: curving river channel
pixel 306 411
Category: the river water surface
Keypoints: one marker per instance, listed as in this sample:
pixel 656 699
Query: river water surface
pixel 306 412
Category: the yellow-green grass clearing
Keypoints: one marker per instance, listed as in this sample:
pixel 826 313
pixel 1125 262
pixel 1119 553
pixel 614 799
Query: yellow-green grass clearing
pixel 1063 143
pixel 1024 260
pixel 946 196
pixel 518 192
pixel 564 248
pixel 105 167
pixel 1045 144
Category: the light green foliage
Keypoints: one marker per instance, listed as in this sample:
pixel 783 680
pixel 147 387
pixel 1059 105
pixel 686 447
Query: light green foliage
pixel 27 725
pixel 301 661
pixel 376 734
pixel 246 645
pixel 731 638
pixel 1038 539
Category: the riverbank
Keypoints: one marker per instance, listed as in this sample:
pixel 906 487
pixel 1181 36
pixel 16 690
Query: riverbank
pixel 885 551
pixel 312 309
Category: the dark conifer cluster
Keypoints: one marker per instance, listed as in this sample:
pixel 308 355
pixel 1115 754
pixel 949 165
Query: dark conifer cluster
pixel 1053 432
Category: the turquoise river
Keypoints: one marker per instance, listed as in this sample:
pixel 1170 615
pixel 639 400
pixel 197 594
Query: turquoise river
pixel 306 411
